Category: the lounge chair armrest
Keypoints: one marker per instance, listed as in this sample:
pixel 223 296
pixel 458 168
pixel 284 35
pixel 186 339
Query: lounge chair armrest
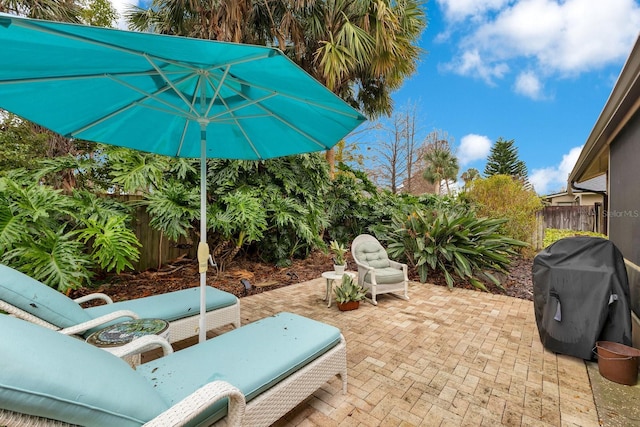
pixel 91 297
pixel 398 265
pixel 142 344
pixel 90 324
pixel 198 401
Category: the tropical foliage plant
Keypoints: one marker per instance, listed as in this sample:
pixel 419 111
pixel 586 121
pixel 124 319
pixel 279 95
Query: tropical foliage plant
pixel 339 252
pixel 452 242
pixel 61 239
pixel 348 290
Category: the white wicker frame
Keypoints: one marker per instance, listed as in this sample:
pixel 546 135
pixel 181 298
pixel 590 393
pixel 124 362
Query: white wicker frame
pixel 263 410
pixel 178 329
pixel 399 290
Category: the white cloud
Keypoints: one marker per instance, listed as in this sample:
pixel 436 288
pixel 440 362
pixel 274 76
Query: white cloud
pixel 529 85
pixel 456 10
pixel 554 38
pixel 473 147
pixel 472 63
pixel 554 178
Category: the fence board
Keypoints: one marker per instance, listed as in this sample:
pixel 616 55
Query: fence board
pixel 156 249
pixel 577 218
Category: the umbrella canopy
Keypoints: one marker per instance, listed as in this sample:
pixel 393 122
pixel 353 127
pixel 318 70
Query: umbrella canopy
pixel 167 95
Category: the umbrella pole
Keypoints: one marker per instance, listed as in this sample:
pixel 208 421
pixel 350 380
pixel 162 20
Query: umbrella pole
pixel 203 247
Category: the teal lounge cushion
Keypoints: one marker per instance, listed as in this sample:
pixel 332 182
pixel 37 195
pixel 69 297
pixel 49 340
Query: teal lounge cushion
pixel 48 374
pixel 252 358
pixel 386 276
pixel 38 299
pixel 372 254
pixel 169 306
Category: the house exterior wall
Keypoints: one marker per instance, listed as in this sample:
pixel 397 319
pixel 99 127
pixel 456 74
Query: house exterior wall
pixel 623 214
pixel 624 210
pixel 590 199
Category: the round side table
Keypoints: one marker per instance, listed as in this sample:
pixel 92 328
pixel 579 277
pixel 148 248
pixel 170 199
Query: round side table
pixel 332 276
pixel 124 332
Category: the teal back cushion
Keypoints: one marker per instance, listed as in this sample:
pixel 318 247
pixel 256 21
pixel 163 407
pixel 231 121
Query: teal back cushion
pixel 48 374
pixel 38 299
pixel 372 254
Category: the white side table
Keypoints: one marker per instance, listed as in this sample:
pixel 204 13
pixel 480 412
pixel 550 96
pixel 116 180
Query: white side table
pixel 331 276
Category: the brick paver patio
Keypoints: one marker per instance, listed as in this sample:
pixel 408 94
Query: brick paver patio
pixel 444 358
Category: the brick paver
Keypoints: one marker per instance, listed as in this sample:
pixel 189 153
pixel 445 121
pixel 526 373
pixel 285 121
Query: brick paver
pixel 443 358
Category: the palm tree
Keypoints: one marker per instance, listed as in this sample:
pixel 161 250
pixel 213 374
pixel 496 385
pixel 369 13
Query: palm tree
pixel 51 10
pixel 441 165
pixel 469 175
pixel 360 49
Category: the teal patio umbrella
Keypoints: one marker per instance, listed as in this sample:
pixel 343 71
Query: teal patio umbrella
pixel 168 95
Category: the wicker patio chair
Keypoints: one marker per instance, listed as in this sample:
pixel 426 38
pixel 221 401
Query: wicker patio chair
pixel 376 272
pixel 265 369
pixel 31 300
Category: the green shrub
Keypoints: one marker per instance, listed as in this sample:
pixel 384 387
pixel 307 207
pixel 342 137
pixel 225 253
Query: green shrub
pixel 502 196
pixel 551 235
pixel 452 241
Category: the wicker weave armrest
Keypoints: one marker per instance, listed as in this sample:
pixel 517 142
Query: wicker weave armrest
pixel 142 344
pixel 85 326
pixel 91 297
pixel 198 401
pixel 398 265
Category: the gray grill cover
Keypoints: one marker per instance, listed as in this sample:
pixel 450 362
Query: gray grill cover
pixel 581 295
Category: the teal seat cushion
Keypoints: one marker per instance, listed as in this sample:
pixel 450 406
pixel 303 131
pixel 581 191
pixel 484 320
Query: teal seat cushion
pixel 38 299
pixel 47 374
pixel 252 358
pixel 372 254
pixel 169 306
pixel 386 276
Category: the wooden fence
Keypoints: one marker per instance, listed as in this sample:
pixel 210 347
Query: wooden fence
pixel 156 249
pixel 577 218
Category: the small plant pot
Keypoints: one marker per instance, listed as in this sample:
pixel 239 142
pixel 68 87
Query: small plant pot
pixel 348 306
pixel 339 269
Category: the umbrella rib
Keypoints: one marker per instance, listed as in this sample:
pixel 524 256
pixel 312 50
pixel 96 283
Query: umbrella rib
pixel 217 88
pixel 81 77
pixel 246 136
pixel 258 103
pixel 355 114
pixel 154 95
pixel 138 102
pixel 170 83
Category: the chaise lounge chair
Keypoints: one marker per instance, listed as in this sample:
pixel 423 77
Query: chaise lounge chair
pixel 31 300
pixel 270 365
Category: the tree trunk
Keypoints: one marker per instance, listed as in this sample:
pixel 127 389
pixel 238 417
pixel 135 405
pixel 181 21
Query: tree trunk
pixel 330 155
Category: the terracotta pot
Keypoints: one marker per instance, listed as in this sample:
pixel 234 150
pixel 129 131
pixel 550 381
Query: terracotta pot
pixel 348 306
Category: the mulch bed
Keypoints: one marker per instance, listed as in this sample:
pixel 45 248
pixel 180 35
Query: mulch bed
pixel 183 273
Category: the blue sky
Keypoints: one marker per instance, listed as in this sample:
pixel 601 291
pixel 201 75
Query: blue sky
pixel 535 71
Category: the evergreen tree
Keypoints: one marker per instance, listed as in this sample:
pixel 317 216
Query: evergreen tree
pixel 503 160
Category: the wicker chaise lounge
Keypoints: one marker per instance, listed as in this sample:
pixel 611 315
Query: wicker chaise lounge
pixel 270 366
pixel 31 300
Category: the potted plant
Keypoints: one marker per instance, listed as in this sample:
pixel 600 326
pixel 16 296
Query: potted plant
pixel 348 294
pixel 339 260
